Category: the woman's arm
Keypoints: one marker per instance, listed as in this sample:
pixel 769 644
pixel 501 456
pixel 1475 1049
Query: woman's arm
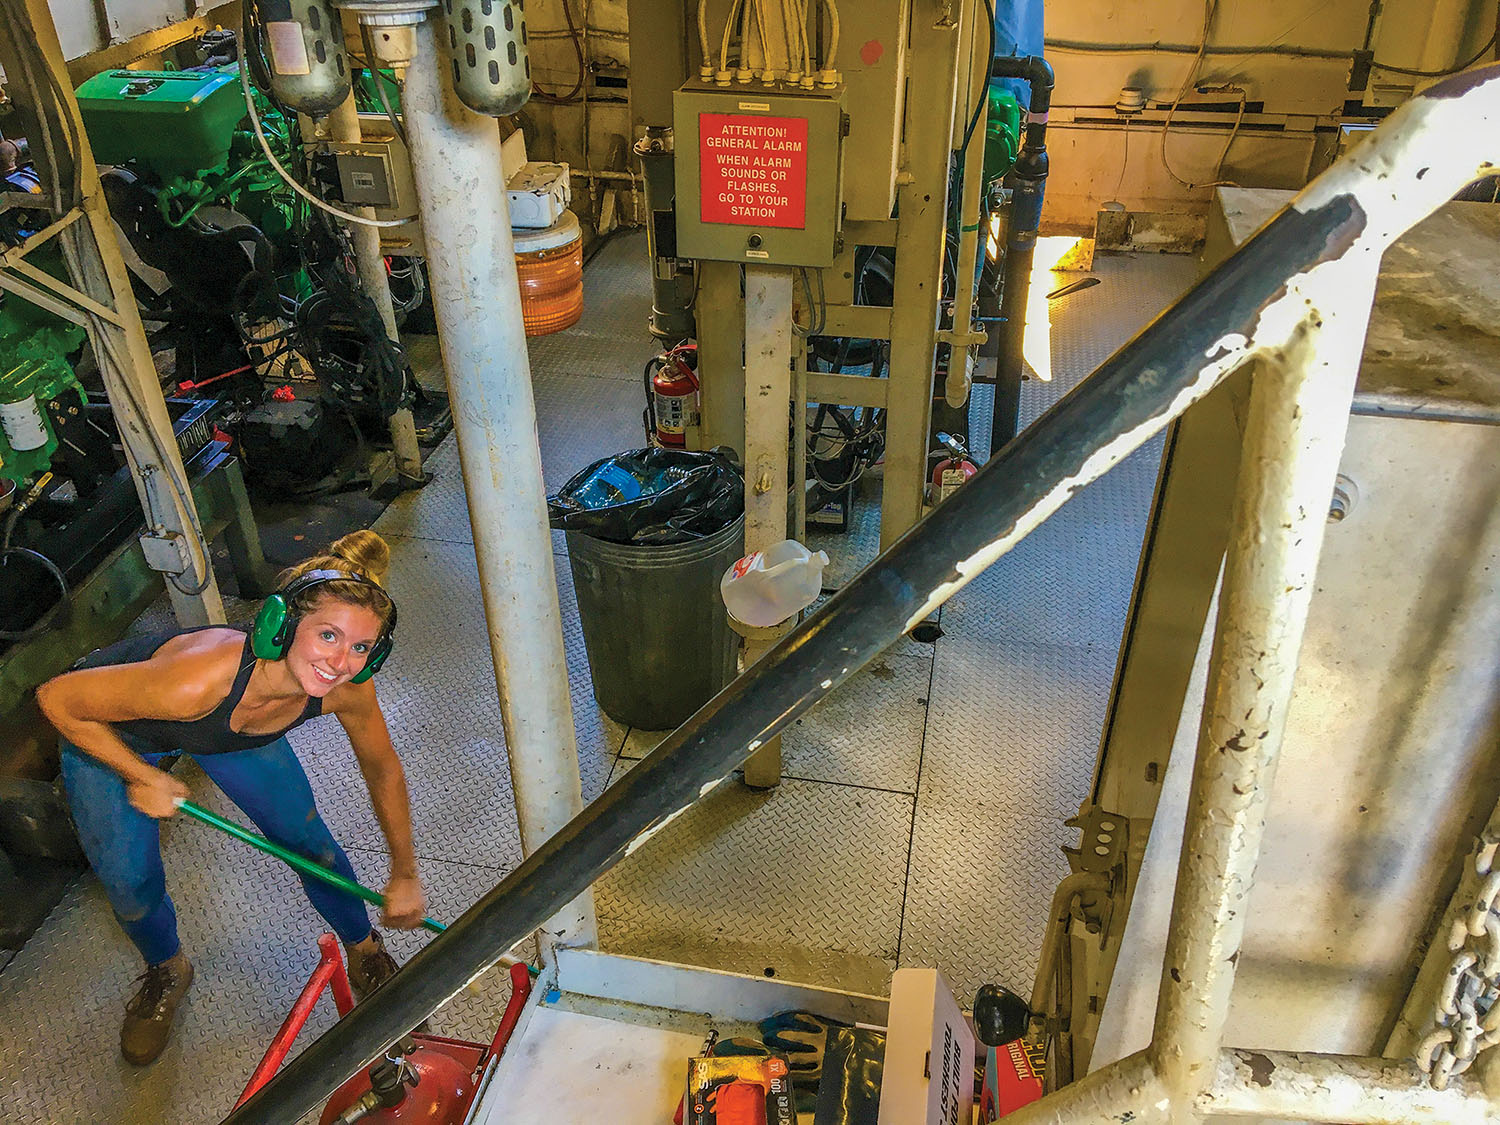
pixel 359 713
pixel 178 685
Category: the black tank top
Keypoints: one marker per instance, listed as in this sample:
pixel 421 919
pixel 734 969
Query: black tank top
pixel 208 735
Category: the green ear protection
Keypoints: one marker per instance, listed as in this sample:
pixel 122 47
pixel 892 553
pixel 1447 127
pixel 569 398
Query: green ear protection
pixel 276 624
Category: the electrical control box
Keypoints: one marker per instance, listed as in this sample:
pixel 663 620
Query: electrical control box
pixel 759 173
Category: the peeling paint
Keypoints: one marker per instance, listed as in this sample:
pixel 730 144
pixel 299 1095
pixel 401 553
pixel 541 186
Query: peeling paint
pixel 1230 352
pixel 1261 1068
pixel 640 840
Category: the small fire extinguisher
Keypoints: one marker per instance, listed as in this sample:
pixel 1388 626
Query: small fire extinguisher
pixel 672 395
pixel 952 471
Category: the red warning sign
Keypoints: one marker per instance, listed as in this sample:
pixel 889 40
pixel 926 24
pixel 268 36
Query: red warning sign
pixel 752 170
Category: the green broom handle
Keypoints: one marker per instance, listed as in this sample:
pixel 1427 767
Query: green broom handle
pixel 292 859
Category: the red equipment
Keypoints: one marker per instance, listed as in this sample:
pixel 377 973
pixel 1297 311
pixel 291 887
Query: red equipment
pixel 434 1081
pixel 436 1085
pixel 673 394
pixel 952 471
pixel 329 974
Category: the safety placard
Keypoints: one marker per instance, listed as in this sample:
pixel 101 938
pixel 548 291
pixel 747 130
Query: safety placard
pixel 752 170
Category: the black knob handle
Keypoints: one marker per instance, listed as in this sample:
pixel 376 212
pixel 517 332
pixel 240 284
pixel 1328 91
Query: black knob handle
pixel 1000 1016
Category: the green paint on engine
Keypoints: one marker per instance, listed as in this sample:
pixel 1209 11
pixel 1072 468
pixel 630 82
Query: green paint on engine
pixel 1002 134
pixel 35 375
pixel 189 131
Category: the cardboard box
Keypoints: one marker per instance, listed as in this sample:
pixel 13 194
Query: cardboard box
pixel 929 1054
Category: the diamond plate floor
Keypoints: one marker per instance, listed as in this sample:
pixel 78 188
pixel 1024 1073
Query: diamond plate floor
pixel 919 822
pixel 1021 678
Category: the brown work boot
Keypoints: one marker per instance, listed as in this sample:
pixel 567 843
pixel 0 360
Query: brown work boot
pixel 148 1016
pixel 370 965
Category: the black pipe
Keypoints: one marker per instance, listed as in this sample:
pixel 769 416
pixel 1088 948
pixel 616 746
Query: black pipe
pixel 1027 182
pixel 1136 392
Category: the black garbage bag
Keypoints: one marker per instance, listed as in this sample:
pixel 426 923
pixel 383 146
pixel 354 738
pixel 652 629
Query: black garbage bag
pixel 651 497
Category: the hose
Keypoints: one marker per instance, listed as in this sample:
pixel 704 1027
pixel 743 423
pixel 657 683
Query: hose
pixel 43 623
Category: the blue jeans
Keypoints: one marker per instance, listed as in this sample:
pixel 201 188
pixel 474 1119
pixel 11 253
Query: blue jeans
pixel 124 845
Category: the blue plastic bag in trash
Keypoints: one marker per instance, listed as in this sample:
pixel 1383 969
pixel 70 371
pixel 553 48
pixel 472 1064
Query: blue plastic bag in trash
pixel 651 497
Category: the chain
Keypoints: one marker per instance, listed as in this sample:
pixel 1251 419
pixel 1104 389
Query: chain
pixel 1466 1017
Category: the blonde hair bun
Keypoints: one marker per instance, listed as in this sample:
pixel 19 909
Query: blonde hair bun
pixel 364 552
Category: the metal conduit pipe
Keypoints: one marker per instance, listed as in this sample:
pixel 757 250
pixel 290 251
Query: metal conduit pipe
pixel 1028 185
pixel 1249 304
pixel 471 263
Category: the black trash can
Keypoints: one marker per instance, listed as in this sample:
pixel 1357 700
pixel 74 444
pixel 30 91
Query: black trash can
pixel 657 635
pixel 650 532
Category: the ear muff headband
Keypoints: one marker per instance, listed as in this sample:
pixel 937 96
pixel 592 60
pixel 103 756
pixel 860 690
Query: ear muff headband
pixel 276 624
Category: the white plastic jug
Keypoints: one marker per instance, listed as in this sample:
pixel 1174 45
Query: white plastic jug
pixel 767 587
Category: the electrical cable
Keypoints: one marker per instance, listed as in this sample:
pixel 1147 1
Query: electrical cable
pixel 833 34
pixel 817 311
pixel 572 96
pixel 379 80
pixel 1080 46
pixel 767 72
pixel 385 103
pixel 1438 73
pixel 736 8
pixel 707 62
pixel 43 623
pixel 795 16
pixel 1210 8
pixel 980 102
pixel 345 216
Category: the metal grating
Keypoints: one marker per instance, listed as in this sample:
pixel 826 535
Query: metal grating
pixel 810 865
pixel 1022 678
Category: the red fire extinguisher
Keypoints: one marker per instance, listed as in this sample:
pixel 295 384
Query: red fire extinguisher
pixel 952 471
pixel 672 395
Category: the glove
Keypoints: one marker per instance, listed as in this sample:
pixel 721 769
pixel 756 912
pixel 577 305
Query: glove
pixel 801 1037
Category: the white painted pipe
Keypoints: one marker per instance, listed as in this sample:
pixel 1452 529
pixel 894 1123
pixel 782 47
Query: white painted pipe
pixel 471 266
pixel 1284 1085
pixel 1299 408
pixel 343 125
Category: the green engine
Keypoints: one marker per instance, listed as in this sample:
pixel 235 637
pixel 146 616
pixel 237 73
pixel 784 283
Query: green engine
pixel 36 382
pixel 188 128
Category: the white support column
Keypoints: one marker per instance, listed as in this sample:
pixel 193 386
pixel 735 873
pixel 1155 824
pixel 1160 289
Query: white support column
pixel 343 125
pixel 472 264
pixel 768 393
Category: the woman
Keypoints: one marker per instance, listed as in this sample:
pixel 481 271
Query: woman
pixel 229 698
